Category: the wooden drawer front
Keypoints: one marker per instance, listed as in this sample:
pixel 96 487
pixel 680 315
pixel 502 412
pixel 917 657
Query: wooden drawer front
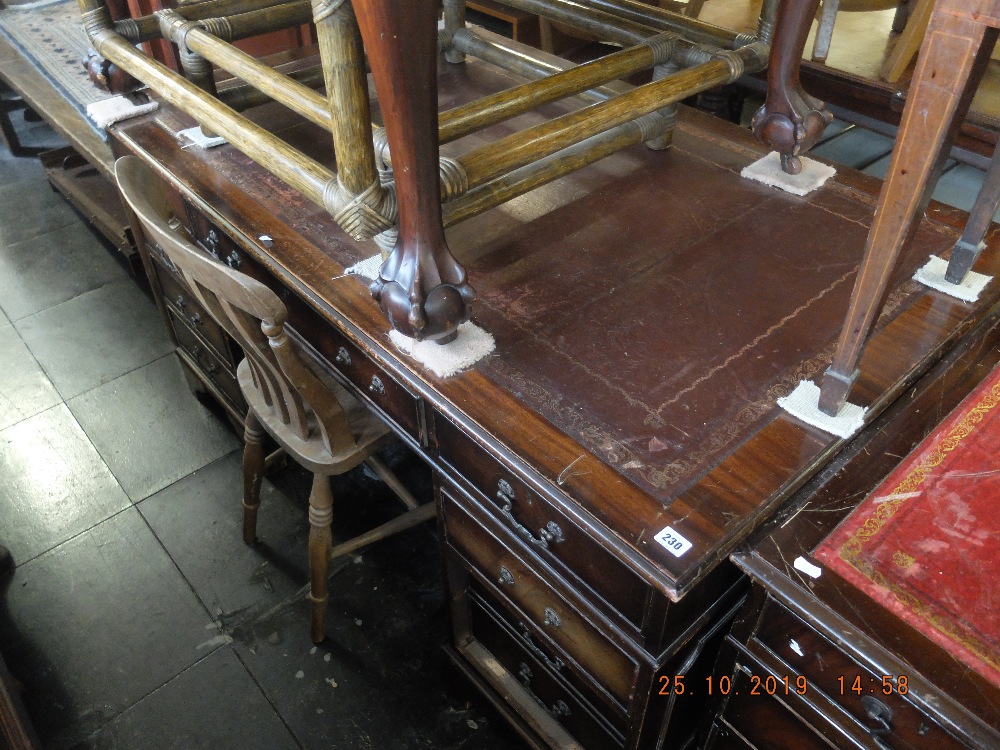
pixel 375 384
pixel 490 553
pixel 563 701
pixel 184 307
pixel 762 721
pixel 213 240
pixel 724 737
pixel 208 363
pixel 552 536
pixel 895 721
pixel 372 382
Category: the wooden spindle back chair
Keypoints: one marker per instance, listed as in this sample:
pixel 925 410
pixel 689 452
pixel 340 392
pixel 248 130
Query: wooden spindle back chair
pixel 318 423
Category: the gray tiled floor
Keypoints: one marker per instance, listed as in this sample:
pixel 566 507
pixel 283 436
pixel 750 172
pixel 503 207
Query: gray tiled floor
pixel 136 617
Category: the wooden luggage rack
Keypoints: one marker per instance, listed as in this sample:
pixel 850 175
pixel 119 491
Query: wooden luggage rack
pixel 392 184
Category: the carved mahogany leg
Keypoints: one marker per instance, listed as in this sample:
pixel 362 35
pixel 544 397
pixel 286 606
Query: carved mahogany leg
pixel 968 247
pixel 421 288
pixel 790 121
pixel 320 544
pixel 253 474
pixel 952 62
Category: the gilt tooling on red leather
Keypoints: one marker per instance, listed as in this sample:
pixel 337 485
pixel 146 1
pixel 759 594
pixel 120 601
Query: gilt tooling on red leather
pixel 926 543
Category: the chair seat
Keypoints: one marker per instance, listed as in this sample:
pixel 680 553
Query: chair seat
pixel 313 452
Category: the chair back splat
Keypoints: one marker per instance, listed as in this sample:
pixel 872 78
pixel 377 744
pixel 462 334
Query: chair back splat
pixel 249 312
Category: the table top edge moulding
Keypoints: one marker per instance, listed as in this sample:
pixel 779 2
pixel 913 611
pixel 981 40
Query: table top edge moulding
pixel 718 508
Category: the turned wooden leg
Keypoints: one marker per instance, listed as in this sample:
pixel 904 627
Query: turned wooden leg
pixel 421 288
pixel 969 245
pixel 790 121
pixel 253 474
pixel 320 544
pixel 952 62
pixel 824 32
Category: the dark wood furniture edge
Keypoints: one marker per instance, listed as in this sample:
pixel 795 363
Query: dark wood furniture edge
pixel 768 556
pixel 602 481
pixel 15 728
pixel 849 638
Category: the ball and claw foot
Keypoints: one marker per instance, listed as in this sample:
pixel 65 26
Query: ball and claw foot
pixel 790 123
pixel 424 306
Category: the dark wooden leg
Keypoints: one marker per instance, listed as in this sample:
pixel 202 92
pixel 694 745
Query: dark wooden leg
pixel 422 288
pixel 320 544
pixel 952 62
pixel 253 474
pixel 790 121
pixel 967 248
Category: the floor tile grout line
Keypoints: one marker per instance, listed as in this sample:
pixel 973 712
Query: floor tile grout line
pixel 21 563
pixel 267 698
pixel 101 285
pixel 110 720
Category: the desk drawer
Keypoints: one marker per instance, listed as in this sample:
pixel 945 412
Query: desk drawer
pixel 879 707
pixel 374 383
pixel 760 722
pixel 491 554
pixel 371 380
pixel 208 363
pixel 551 535
pixel 541 676
pixel 183 306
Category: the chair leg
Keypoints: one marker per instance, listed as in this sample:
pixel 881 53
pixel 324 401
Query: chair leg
pixel 320 544
pixel 824 32
pixel 253 474
pixel 951 65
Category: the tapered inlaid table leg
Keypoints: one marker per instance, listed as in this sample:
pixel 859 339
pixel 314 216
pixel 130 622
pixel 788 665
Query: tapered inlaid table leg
pixel 421 288
pixel 968 247
pixel 790 121
pixel 952 61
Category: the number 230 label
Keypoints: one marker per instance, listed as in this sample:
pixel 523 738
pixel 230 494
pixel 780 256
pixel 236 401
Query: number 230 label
pixel 676 544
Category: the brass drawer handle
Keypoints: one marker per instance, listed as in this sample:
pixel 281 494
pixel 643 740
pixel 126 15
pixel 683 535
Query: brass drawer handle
pixel 195 319
pixel 377 387
pixel 525 674
pixel 233 260
pixel 551 533
pixel 343 357
pixel 555 664
pixel 558 710
pixel 881 720
pixel 211 241
pixel 181 302
pixel 506 578
pixel 552 618
pixel 201 357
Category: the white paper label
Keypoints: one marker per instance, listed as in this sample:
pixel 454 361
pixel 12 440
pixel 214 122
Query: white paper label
pixel 803 565
pixel 674 542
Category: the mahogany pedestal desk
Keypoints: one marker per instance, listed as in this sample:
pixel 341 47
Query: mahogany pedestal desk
pixel 597 469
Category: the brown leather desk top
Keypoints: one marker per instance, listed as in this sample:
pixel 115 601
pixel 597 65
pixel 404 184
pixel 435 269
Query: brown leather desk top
pixel 648 311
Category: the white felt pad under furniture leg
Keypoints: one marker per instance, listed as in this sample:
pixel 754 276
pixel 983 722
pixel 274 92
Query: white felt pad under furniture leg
pixel 117 108
pixel 369 267
pixel 803 404
pixel 932 275
pixel 196 136
pixel 769 172
pixel 472 344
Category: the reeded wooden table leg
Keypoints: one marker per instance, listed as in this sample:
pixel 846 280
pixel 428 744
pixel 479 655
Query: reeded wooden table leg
pixel 952 62
pixel 790 121
pixel 422 288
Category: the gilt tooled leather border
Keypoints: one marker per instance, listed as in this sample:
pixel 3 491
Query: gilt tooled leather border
pixel 851 550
